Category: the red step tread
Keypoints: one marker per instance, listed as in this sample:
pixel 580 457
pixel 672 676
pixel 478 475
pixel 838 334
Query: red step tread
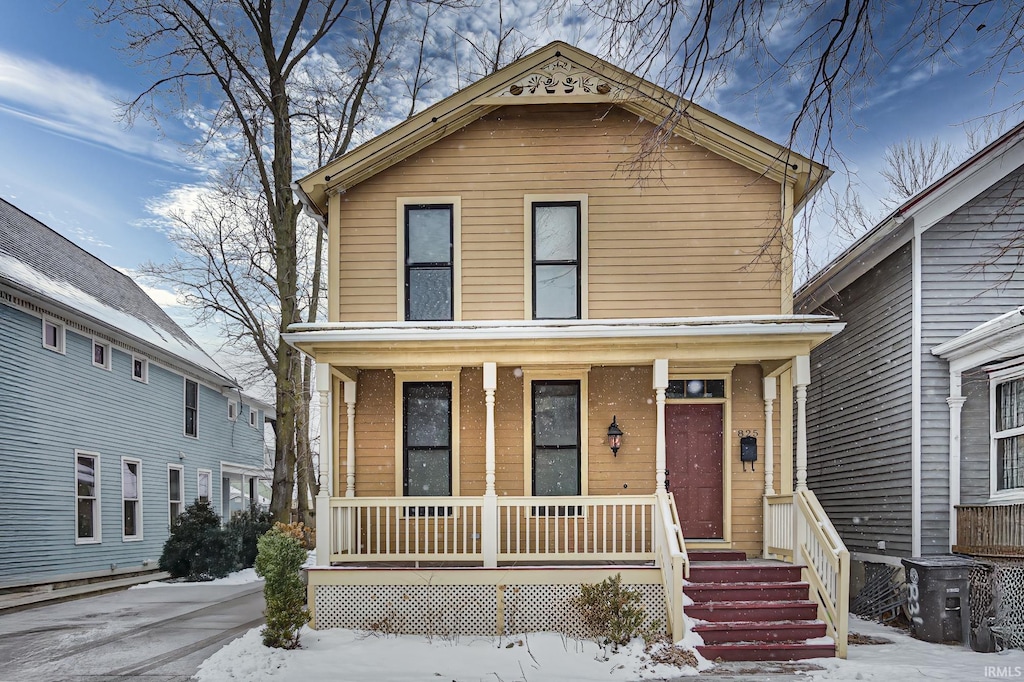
pixel 723 611
pixel 766 651
pixel 746 591
pixel 720 572
pixel 760 631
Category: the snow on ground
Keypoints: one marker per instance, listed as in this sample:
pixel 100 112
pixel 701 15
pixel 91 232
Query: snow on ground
pixel 243 577
pixel 348 656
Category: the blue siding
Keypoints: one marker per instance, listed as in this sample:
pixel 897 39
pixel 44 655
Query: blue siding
pixel 53 405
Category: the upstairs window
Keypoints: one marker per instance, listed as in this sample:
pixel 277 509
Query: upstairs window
pixel 556 260
pixel 53 336
pixel 140 369
pixel 100 354
pixel 1009 436
pixel 232 410
pixel 427 437
pixel 253 416
pixel 191 408
pixel 429 262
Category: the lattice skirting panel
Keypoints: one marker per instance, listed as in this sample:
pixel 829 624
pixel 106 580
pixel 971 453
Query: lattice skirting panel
pixel 455 610
pixel 997 592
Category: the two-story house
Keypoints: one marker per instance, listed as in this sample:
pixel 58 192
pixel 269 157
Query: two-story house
pixel 113 421
pixel 536 358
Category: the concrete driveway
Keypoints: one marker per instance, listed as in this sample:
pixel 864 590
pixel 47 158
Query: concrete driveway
pixel 159 634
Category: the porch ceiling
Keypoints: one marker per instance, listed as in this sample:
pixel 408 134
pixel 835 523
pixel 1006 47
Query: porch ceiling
pixel 607 342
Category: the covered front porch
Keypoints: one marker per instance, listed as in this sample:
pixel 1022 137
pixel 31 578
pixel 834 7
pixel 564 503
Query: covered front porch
pixel 741 383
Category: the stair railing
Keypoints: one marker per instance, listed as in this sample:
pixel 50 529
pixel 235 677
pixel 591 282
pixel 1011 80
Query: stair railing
pixel 827 563
pixel 670 556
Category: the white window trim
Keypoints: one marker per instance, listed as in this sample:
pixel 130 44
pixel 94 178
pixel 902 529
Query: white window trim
pixel 456 202
pixel 253 414
pixel 61 335
pixel 402 377
pixel 528 201
pixel 138 500
pixel 232 410
pixel 199 476
pixel 995 379
pixel 184 407
pixel 106 354
pixel 181 485
pixel 581 375
pixel 145 369
pixel 98 509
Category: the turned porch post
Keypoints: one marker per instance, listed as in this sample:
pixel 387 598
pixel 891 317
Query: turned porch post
pixel 769 435
pixel 323 498
pixel 350 444
pixel 802 377
pixel 489 537
pixel 660 386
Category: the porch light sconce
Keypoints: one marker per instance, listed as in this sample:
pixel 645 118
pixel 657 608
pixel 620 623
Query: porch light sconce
pixel 614 437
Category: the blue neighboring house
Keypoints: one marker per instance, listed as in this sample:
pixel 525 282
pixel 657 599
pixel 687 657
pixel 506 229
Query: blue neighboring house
pixel 113 419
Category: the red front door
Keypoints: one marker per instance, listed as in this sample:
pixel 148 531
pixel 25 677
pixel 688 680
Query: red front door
pixel 693 456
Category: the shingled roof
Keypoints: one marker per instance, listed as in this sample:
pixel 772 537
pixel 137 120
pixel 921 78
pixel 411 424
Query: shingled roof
pixel 42 264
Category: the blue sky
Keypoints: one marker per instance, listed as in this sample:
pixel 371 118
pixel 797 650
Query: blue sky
pixel 67 161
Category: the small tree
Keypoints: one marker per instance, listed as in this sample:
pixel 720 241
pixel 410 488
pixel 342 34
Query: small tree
pixel 611 612
pixel 197 548
pixel 244 531
pixel 278 561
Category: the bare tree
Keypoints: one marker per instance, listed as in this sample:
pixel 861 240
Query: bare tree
pixel 266 62
pixel 911 164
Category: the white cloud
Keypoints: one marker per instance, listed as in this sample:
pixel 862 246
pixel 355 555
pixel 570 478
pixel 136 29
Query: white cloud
pixel 74 105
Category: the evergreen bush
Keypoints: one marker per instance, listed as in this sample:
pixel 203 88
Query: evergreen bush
pixel 278 560
pixel 197 548
pixel 611 612
pixel 244 530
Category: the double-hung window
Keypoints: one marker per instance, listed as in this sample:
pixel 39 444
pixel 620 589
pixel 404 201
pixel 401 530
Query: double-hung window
pixel 175 492
pixel 1009 436
pixel 191 408
pixel 556 438
pixel 427 438
pixel 429 262
pixel 204 479
pixel 87 497
pixel 556 260
pixel 131 496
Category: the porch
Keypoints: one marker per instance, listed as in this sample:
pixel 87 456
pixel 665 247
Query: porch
pixel 990 530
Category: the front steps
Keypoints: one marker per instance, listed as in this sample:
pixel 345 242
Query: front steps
pixel 752 611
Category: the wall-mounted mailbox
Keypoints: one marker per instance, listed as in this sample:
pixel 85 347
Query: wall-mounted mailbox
pixel 748 451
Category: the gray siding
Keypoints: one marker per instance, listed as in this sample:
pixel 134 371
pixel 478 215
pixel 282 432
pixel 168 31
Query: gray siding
pixel 975 449
pixel 53 404
pixel 859 416
pixel 964 282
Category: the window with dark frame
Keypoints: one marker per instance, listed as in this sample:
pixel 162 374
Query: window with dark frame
pixel 429 260
pixel 427 442
pixel 556 260
pixel 1009 435
pixel 556 443
pixel 191 407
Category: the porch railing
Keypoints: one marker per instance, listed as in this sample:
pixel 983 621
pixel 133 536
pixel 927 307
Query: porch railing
pixel 672 559
pixel 778 527
pixel 990 530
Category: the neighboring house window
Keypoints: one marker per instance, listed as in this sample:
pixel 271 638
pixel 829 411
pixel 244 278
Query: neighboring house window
pixel 175 491
pixel 556 437
pixel 87 497
pixel 556 260
pixel 429 262
pixel 131 496
pixel 191 407
pixel 140 369
pixel 427 438
pixel 1009 436
pixel 253 414
pixel 53 336
pixel 232 410
pixel 203 481
pixel 100 354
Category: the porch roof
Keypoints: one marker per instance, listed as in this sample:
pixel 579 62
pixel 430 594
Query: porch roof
pixel 741 337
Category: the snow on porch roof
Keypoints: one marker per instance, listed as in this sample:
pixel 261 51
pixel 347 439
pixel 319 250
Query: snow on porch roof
pixel 736 325
pixel 36 260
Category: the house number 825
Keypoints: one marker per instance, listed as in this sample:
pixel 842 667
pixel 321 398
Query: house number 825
pixel 746 432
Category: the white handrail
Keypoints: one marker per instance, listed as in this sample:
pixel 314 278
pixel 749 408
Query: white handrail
pixel 819 547
pixel 673 561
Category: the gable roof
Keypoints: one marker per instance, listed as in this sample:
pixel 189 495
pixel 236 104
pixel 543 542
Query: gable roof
pixel 915 215
pixel 557 74
pixel 41 264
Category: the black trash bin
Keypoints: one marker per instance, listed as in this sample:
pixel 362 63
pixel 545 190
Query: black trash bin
pixel 937 598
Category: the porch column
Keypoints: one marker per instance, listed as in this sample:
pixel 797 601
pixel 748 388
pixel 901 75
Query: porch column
pixel 323 498
pixel 350 445
pixel 956 402
pixel 660 385
pixel 489 535
pixel 801 377
pixel 769 435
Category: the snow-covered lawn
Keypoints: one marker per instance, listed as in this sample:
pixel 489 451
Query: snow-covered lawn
pixel 247 575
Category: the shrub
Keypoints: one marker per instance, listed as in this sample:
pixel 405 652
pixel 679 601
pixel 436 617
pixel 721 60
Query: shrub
pixel 300 531
pixel 611 613
pixel 278 560
pixel 244 530
pixel 197 547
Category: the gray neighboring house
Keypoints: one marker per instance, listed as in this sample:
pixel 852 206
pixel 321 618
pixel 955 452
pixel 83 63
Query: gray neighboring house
pixel 924 295
pixel 113 418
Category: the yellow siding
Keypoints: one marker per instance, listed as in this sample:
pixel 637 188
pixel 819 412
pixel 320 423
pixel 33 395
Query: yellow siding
pixel 625 393
pixel 678 245
pixel 747 486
